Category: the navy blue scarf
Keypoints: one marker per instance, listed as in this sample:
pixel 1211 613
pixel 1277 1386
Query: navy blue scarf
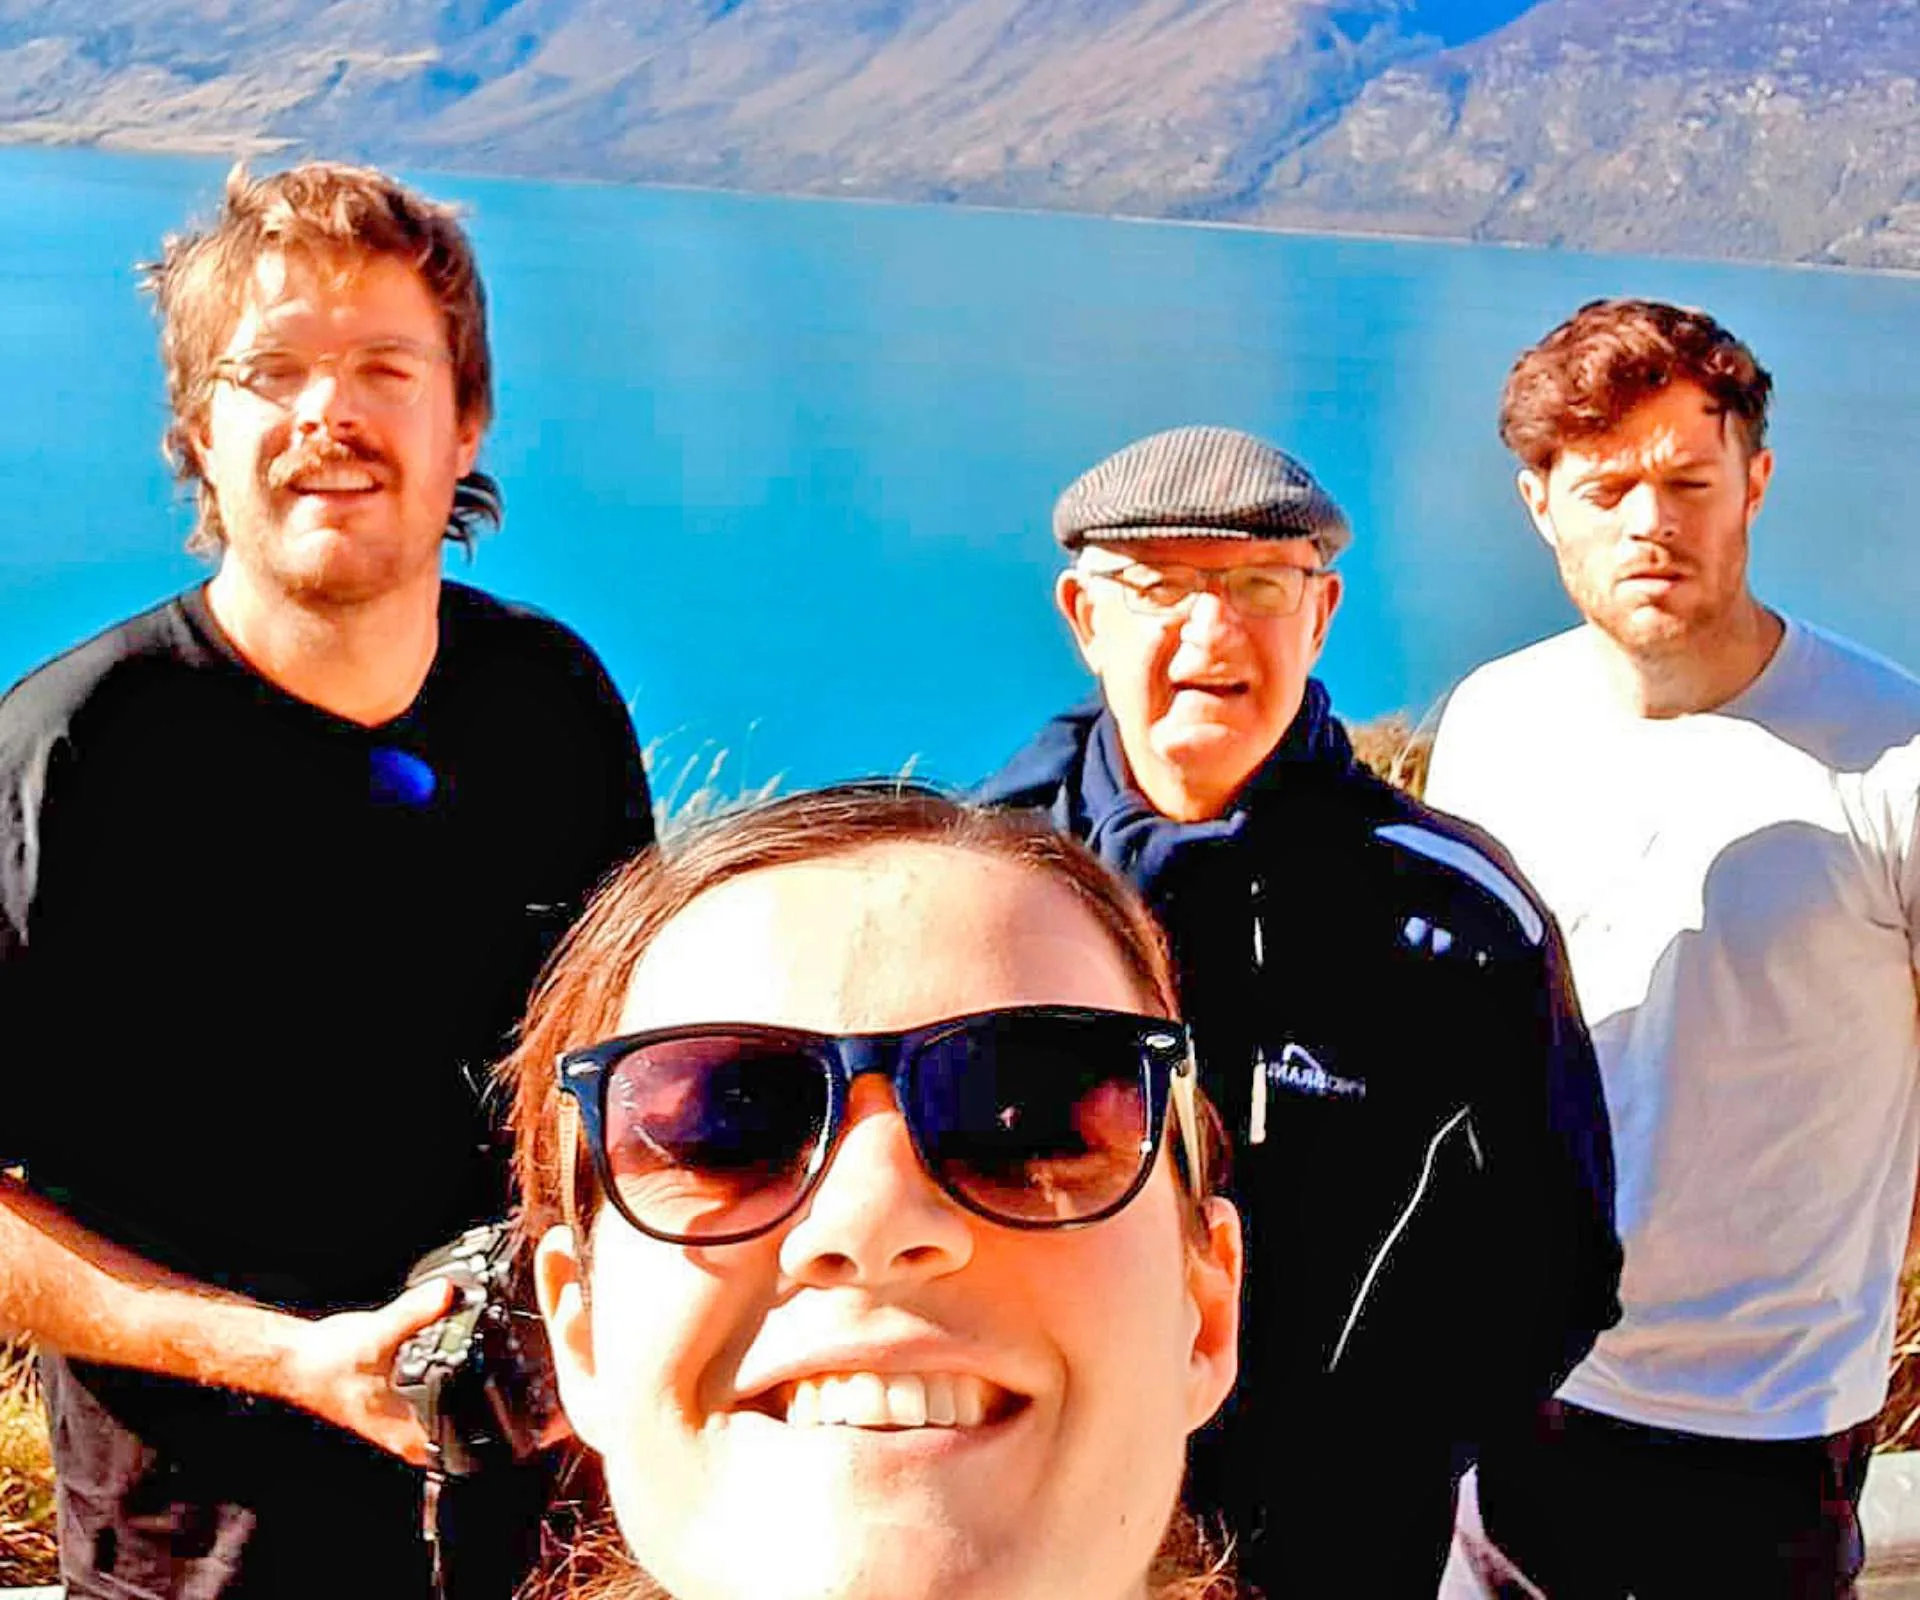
pixel 1124 830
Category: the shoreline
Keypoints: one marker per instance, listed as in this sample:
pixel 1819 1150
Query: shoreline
pixel 119 139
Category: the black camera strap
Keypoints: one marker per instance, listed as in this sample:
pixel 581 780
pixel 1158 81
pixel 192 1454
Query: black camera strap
pixel 430 1520
pixel 478 1379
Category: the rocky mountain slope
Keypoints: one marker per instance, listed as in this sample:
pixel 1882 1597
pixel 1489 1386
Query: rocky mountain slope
pixel 1716 127
pixel 1773 128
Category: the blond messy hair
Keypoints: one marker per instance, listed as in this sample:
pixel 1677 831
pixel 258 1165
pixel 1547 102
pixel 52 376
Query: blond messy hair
pixel 339 216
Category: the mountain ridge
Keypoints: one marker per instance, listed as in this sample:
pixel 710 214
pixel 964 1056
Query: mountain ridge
pixel 1772 129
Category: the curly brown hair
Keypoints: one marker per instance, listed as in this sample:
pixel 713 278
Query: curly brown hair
pixel 320 211
pixel 1611 355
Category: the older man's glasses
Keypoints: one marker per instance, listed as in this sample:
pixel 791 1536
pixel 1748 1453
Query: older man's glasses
pixel 1256 591
pixel 1032 1117
pixel 390 375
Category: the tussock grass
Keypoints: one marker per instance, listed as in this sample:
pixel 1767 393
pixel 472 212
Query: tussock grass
pixel 1396 748
pixel 693 787
pixel 1900 1416
pixel 27 1556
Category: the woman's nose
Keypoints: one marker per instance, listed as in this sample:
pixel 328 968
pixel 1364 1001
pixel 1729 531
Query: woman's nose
pixel 876 1216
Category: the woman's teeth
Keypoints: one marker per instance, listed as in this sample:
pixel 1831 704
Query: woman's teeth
pixel 889 1400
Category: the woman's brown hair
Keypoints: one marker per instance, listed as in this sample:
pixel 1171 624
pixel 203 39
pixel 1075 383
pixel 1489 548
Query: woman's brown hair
pixel 579 1000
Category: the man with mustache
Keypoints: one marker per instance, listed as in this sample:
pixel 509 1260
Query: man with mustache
pixel 1379 1006
pixel 279 861
pixel 1722 805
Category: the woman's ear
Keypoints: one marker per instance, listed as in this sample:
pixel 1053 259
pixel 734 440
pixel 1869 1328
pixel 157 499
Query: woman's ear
pixel 560 1286
pixel 1214 1268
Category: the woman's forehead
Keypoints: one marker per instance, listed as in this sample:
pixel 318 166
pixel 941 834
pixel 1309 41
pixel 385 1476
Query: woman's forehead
pixel 882 938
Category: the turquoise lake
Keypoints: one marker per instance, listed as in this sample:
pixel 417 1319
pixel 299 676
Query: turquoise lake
pixel 789 464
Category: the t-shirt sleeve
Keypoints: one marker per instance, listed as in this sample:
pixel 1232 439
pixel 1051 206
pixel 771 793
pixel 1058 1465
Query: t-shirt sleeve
pixel 1450 782
pixel 1483 749
pixel 636 817
pixel 16 1130
pixel 1908 838
pixel 23 1053
pixel 632 829
pixel 626 815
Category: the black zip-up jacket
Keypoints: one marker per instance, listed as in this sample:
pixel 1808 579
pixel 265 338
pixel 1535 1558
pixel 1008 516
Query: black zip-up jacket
pixel 1383 1016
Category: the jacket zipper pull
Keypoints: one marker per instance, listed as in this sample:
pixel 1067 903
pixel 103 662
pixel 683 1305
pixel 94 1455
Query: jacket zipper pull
pixel 1257 1116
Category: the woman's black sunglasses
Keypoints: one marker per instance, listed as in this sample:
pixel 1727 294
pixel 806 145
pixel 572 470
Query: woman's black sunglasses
pixel 1032 1117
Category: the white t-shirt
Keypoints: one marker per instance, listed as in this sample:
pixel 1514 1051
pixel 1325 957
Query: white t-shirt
pixel 1740 891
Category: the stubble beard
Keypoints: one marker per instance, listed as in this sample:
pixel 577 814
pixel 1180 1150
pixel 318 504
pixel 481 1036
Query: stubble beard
pixel 329 566
pixel 320 568
pixel 1656 634
pixel 1648 633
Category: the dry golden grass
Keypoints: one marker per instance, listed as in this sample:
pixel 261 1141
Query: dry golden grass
pixel 1900 1416
pixel 1396 748
pixel 26 1478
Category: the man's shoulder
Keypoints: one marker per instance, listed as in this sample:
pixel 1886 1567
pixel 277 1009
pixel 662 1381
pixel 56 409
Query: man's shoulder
pixel 491 620
pixel 1486 748
pixel 1460 861
pixel 1837 704
pixel 485 633
pixel 1535 674
pixel 1851 679
pixel 1045 764
pixel 1370 832
pixel 91 675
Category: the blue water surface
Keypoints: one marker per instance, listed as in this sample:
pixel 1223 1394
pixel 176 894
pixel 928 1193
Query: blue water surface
pixel 788 464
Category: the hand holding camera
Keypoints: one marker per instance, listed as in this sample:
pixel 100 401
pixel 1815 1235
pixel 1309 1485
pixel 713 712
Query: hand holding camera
pixel 338 1368
pixel 479 1378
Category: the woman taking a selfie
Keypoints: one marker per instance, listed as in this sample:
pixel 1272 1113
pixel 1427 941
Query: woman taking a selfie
pixel 873 1231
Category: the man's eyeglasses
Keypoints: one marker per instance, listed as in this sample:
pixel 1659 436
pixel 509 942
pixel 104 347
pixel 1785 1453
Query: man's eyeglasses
pixel 390 375
pixel 1032 1117
pixel 1259 591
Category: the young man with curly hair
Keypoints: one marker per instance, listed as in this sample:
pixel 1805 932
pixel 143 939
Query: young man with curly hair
pixel 1719 802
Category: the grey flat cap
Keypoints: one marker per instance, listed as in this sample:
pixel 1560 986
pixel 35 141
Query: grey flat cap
pixel 1199 483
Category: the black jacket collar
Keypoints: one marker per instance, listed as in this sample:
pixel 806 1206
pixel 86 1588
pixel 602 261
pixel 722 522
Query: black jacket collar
pixel 1074 768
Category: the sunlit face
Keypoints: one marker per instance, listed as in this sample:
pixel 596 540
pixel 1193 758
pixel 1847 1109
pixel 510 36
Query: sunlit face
pixel 324 497
pixel 1649 523
pixel 1077 1361
pixel 1201 698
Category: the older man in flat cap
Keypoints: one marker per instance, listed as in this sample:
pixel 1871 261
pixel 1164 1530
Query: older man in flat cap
pixel 1381 1009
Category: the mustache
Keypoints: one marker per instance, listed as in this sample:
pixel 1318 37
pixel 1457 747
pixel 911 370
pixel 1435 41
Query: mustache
pixel 318 454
